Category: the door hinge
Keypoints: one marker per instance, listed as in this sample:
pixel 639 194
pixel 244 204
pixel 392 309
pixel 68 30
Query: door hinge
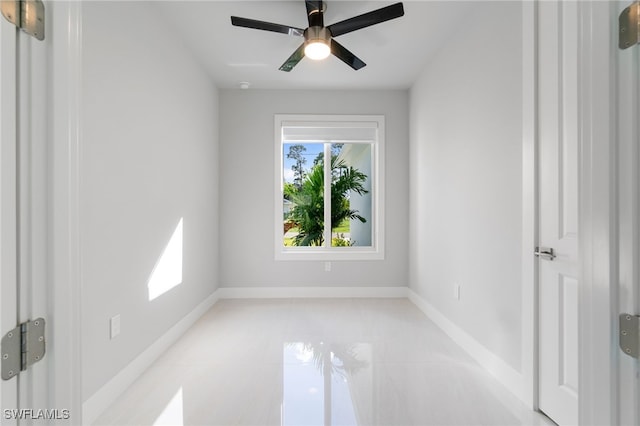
pixel 629 26
pixel 630 334
pixel 28 15
pixel 22 347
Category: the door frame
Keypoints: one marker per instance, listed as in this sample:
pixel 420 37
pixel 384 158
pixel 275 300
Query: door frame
pixel 529 300
pixel 597 206
pixel 64 324
pixel 627 90
pixel 598 215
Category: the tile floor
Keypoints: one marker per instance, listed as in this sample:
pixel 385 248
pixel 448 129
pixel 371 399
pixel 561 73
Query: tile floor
pixel 317 362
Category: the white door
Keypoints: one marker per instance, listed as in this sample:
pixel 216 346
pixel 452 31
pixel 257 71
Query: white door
pixel 8 224
pixel 628 100
pixel 558 210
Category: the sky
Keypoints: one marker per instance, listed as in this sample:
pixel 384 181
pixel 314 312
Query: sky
pixel 313 149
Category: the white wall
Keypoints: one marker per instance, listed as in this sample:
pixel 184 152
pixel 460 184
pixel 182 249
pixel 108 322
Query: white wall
pixel 246 189
pixel 149 159
pixel 466 180
pixel 361 233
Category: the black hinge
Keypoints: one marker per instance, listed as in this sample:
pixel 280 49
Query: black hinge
pixel 28 15
pixel 22 347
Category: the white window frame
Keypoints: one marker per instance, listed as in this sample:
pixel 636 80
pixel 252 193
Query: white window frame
pixel 376 250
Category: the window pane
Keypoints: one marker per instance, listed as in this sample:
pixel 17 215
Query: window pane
pixel 303 194
pixel 351 195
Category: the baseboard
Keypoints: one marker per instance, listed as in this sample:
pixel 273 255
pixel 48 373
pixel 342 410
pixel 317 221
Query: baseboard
pixel 503 372
pixel 311 292
pixel 105 396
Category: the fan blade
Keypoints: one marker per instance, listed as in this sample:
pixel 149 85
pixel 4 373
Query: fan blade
pixel 367 19
pixel 314 13
pixel 293 59
pixel 345 56
pixel 266 26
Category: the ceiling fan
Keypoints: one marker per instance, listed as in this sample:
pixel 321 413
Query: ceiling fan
pixel 319 40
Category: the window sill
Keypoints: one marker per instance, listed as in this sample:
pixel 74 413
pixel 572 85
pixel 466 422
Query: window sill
pixel 335 254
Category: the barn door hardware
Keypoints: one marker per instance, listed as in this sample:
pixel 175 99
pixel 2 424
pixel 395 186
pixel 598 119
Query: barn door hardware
pixel 28 15
pixel 22 347
pixel 629 26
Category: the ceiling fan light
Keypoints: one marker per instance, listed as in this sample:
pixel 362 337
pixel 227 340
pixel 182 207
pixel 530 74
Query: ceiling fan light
pixel 317 50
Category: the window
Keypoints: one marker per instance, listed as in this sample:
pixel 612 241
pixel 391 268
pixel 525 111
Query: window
pixel 328 192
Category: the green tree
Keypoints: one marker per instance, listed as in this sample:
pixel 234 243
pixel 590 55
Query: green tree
pixel 308 211
pixel 289 190
pixel 336 148
pixel 296 153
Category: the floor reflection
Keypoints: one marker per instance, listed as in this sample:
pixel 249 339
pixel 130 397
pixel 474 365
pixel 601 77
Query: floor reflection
pixel 326 384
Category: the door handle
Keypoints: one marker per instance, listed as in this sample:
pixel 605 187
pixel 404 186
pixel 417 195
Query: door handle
pixel 545 253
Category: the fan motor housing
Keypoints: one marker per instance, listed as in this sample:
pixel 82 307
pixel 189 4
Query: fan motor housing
pixel 317 34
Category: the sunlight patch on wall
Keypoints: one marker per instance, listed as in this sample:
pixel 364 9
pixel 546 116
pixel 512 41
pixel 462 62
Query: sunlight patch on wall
pixel 172 413
pixel 168 271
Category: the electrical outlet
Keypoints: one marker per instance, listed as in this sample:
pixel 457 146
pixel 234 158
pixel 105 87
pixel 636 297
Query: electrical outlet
pixel 327 266
pixel 114 326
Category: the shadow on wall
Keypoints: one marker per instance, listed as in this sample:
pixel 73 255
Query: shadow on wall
pixel 167 273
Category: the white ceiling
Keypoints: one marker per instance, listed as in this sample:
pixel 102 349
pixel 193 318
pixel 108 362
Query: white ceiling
pixel 394 51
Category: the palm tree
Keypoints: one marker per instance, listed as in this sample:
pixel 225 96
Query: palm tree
pixel 308 212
